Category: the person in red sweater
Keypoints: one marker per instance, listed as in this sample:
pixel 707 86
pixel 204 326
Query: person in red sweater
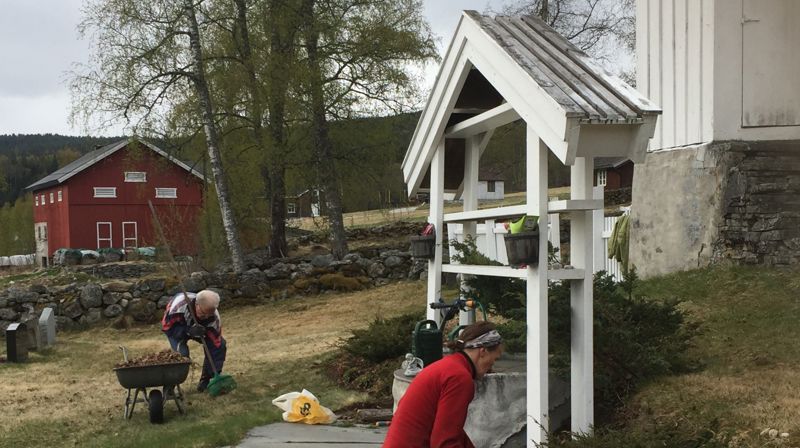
pixel 433 410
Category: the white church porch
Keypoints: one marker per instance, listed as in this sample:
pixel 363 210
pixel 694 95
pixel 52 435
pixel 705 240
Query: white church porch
pixel 497 71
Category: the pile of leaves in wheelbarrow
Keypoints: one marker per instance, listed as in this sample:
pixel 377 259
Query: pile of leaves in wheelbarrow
pixel 162 357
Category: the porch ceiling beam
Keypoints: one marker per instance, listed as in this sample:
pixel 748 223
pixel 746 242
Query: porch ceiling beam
pixel 487 121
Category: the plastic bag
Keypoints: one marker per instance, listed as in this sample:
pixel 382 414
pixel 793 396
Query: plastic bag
pixel 303 407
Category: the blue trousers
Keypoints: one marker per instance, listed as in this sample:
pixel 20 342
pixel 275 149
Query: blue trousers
pixel 180 345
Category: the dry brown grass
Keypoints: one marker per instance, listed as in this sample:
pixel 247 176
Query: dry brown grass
pixel 378 217
pixel 69 396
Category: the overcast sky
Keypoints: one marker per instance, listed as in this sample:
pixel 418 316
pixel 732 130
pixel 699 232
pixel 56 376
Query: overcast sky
pixel 39 43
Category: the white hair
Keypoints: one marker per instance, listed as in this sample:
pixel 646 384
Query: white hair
pixel 208 298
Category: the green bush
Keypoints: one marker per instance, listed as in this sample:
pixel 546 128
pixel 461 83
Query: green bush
pixel 383 339
pixel 635 338
pixel 499 295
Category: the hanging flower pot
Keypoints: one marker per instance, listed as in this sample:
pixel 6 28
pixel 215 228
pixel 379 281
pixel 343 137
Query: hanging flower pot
pixel 423 246
pixel 523 248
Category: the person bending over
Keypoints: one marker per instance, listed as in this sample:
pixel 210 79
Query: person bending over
pixel 179 326
pixel 433 410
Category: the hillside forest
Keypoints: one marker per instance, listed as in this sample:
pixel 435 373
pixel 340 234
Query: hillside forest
pixel 269 98
pixel 368 153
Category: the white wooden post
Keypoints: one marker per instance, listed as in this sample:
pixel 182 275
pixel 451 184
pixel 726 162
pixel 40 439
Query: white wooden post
pixel 436 218
pixel 536 291
pixel 581 297
pixel 597 225
pixel 471 160
pixel 491 239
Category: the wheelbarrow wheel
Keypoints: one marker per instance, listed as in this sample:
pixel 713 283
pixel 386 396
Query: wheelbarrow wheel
pixel 155 404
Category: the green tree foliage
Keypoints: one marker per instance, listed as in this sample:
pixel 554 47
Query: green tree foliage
pixel 24 159
pixel 148 57
pixel 368 153
pixel 17 223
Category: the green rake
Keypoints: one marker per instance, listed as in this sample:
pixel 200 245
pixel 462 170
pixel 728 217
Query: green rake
pixel 219 384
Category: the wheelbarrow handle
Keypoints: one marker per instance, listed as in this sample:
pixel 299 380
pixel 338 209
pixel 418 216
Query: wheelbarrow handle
pixel 124 353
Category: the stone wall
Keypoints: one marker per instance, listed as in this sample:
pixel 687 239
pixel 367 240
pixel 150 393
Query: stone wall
pixel 718 202
pixel 761 205
pixel 143 300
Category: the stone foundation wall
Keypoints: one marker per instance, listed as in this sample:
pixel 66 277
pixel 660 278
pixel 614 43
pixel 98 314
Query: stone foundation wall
pixel 761 206
pixel 719 202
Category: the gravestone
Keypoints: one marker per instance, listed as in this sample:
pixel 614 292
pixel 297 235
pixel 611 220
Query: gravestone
pixel 17 343
pixel 32 330
pixel 47 328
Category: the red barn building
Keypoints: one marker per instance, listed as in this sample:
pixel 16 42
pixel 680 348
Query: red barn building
pixel 101 200
pixel 613 172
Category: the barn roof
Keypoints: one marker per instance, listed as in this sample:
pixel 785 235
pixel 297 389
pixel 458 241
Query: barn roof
pixel 609 162
pixel 87 160
pixel 500 69
pixel 489 173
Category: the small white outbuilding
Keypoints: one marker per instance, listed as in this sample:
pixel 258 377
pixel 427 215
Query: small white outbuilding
pixel 498 70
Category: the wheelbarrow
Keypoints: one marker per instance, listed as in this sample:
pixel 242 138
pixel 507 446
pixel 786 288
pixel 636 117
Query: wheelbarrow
pixel 167 377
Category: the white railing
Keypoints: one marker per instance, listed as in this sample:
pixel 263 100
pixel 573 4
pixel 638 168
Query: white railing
pixel 489 239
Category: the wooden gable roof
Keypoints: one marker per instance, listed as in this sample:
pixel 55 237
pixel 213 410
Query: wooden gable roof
pixel 501 69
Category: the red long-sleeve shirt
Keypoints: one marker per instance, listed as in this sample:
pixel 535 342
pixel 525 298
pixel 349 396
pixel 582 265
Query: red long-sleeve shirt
pixel 434 408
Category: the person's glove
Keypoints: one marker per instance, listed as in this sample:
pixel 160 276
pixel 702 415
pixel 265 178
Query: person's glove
pixel 197 331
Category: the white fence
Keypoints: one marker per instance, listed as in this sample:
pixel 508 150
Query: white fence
pixel 491 243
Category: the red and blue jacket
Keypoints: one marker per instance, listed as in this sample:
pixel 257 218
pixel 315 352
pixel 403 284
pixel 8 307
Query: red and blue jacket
pixel 178 318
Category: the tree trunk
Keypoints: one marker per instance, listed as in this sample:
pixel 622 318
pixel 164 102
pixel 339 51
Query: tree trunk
pixel 273 177
pixel 281 52
pixel 212 140
pixel 322 142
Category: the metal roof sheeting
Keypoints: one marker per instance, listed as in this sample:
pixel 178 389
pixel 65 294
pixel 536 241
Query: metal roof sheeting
pixel 62 174
pixel 582 88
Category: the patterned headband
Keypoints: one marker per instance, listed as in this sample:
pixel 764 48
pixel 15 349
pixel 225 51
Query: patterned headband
pixel 489 339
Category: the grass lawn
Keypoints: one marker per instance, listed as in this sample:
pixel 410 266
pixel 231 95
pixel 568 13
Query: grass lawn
pixel 749 380
pixel 69 396
pixel 750 352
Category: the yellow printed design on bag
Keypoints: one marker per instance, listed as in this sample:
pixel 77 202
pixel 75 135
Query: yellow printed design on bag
pixel 303 407
pixel 308 410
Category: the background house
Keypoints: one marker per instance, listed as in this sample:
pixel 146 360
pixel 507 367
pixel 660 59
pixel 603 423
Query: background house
pixel 101 200
pixel 613 173
pixel 303 205
pixel 491 184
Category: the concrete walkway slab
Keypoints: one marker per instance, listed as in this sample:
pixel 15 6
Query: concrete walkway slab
pixel 299 435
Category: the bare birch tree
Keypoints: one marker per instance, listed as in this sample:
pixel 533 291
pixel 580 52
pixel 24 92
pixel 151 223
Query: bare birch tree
pixel 148 56
pixel 357 57
pixel 602 28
